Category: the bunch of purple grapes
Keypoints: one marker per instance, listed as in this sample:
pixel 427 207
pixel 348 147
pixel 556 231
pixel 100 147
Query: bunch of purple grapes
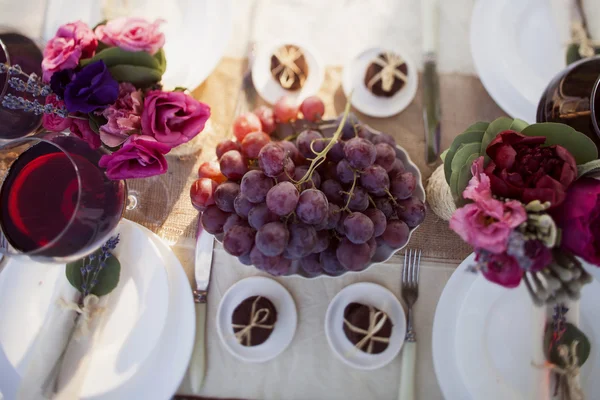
pixel 327 202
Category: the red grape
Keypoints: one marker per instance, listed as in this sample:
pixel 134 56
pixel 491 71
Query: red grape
pixel 253 143
pixel 345 172
pixel 267 119
pixel 396 233
pixel 242 205
pixel 225 146
pixel 378 219
pixel 244 124
pixel 225 195
pixel 238 240
pixel 213 220
pixel 358 227
pixel 411 211
pixel 312 108
pixel 202 193
pixel 212 170
pixel 383 138
pixel 360 153
pixel 285 110
pixel 352 256
pixel 373 246
pixel 359 200
pixel 322 241
pixel 312 207
pixel 336 153
pixel 311 264
pixel 283 198
pixel 375 180
pixel 333 191
pixel 232 221
pixel 272 238
pixel 313 183
pixel 292 151
pixel 385 206
pixel 333 217
pixel 339 228
pixel 308 138
pixel 330 262
pixel 271 159
pixel 260 215
pixel 351 126
pixel 303 239
pixel 255 186
pixel 233 165
pixel 273 265
pixel 386 156
pixel 397 168
pixel 402 185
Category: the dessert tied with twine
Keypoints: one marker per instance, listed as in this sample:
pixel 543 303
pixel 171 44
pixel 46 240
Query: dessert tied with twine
pixel 289 67
pixel 386 75
pixel 367 327
pixel 253 320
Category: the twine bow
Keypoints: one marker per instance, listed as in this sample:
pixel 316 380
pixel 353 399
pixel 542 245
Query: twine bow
pixel 87 311
pixel 568 383
pixel 580 37
pixel 257 320
pixel 287 56
pixel 389 63
pixel 375 325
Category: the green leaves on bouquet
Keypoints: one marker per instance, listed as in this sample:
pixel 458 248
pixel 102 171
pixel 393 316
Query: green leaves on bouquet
pixel 138 67
pixel 581 147
pixel 570 334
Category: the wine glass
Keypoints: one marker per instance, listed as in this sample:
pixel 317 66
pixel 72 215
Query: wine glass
pixel 573 98
pixel 56 203
pixel 17 49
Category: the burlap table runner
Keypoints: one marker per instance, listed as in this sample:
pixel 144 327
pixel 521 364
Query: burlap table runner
pixel 165 207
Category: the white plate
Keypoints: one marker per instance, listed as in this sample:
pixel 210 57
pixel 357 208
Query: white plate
pixel 128 330
pixel 365 101
pixel 516 50
pixel 271 90
pixel 285 326
pixel 446 334
pixel 197 32
pixel 368 294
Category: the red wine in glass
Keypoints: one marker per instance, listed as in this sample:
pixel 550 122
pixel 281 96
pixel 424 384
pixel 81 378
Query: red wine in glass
pixel 56 203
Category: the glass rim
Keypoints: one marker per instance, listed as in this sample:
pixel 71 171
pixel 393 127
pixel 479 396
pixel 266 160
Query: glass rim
pixel 4 49
pixel 595 113
pixel 59 236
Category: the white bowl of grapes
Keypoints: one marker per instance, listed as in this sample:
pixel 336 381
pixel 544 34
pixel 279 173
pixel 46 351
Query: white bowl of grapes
pixel 295 195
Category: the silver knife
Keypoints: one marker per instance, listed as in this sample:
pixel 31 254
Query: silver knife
pixel 430 12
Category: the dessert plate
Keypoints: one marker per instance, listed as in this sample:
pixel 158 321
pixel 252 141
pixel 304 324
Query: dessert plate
pixel 369 294
pixel 283 331
pixel 516 50
pixel 197 32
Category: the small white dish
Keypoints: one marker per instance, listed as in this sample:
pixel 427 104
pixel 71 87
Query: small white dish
pixel 365 101
pixel 269 89
pixel 376 296
pixel 285 326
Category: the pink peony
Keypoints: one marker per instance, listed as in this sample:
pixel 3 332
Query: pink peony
pixel 71 43
pixel 500 268
pixel 487 224
pixel 140 157
pixel 124 116
pixel 479 186
pixel 173 118
pixel 81 129
pixel 54 122
pixel 132 34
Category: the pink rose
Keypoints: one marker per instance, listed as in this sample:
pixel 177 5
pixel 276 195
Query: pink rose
pixel 479 186
pixel 71 43
pixel 132 34
pixel 124 116
pixel 81 129
pixel 500 268
pixel 140 157
pixel 173 118
pixel 54 122
pixel 487 224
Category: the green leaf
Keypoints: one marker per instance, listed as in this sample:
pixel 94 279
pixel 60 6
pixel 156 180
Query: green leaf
pixel 180 89
pixel 589 168
pixel 453 187
pixel 464 152
pixel 162 60
pixel 138 76
pixel 96 121
pixel 103 22
pixel 518 125
pixel 572 54
pixel 108 277
pixel 469 136
pixel 572 333
pixel 114 56
pixel 495 127
pixel 73 272
pixel 579 145
pixel 478 126
pixel 443 155
pixel 464 176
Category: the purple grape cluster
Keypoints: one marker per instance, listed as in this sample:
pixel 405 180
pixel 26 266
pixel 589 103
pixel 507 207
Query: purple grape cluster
pixel 326 205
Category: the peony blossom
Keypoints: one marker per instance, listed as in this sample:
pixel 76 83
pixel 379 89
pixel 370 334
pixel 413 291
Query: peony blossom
pixel 132 34
pixel 71 43
pixel 124 116
pixel 502 268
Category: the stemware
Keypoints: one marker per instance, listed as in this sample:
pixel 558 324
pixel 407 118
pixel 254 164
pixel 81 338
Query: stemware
pixel 573 98
pixel 17 49
pixel 56 203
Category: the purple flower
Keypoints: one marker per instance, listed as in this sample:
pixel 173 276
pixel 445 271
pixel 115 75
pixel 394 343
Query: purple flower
pixel 140 157
pixel 93 88
pixel 500 268
pixel 60 80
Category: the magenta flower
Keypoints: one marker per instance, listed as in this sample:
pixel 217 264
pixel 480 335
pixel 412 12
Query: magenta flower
pixel 81 129
pixel 124 116
pixel 54 122
pixel 500 268
pixel 479 188
pixel 140 157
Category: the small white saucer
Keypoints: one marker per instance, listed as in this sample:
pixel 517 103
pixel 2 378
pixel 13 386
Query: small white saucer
pixel 365 101
pixel 269 89
pixel 285 326
pixel 369 294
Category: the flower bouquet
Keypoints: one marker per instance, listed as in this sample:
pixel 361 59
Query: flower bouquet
pixel 528 204
pixel 103 85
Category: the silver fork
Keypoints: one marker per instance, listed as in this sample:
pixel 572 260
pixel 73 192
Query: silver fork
pixel 410 293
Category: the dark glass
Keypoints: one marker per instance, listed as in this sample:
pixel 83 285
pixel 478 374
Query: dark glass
pixel 21 50
pixel 55 202
pixel 572 98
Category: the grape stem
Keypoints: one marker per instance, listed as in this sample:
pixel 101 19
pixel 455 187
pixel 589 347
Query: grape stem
pixel 392 198
pixel 320 158
pixel 372 202
pixel 350 193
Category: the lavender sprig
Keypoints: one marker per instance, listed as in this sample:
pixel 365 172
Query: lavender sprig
pixel 94 263
pixel 559 323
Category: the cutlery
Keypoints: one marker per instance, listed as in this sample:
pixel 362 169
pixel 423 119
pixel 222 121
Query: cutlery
pixel 430 10
pixel 410 293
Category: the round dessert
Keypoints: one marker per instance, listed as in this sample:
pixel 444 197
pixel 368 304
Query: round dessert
pixel 253 320
pixel 386 75
pixel 289 67
pixel 368 328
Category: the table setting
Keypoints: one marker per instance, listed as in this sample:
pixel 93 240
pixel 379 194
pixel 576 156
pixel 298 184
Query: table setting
pixel 209 200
